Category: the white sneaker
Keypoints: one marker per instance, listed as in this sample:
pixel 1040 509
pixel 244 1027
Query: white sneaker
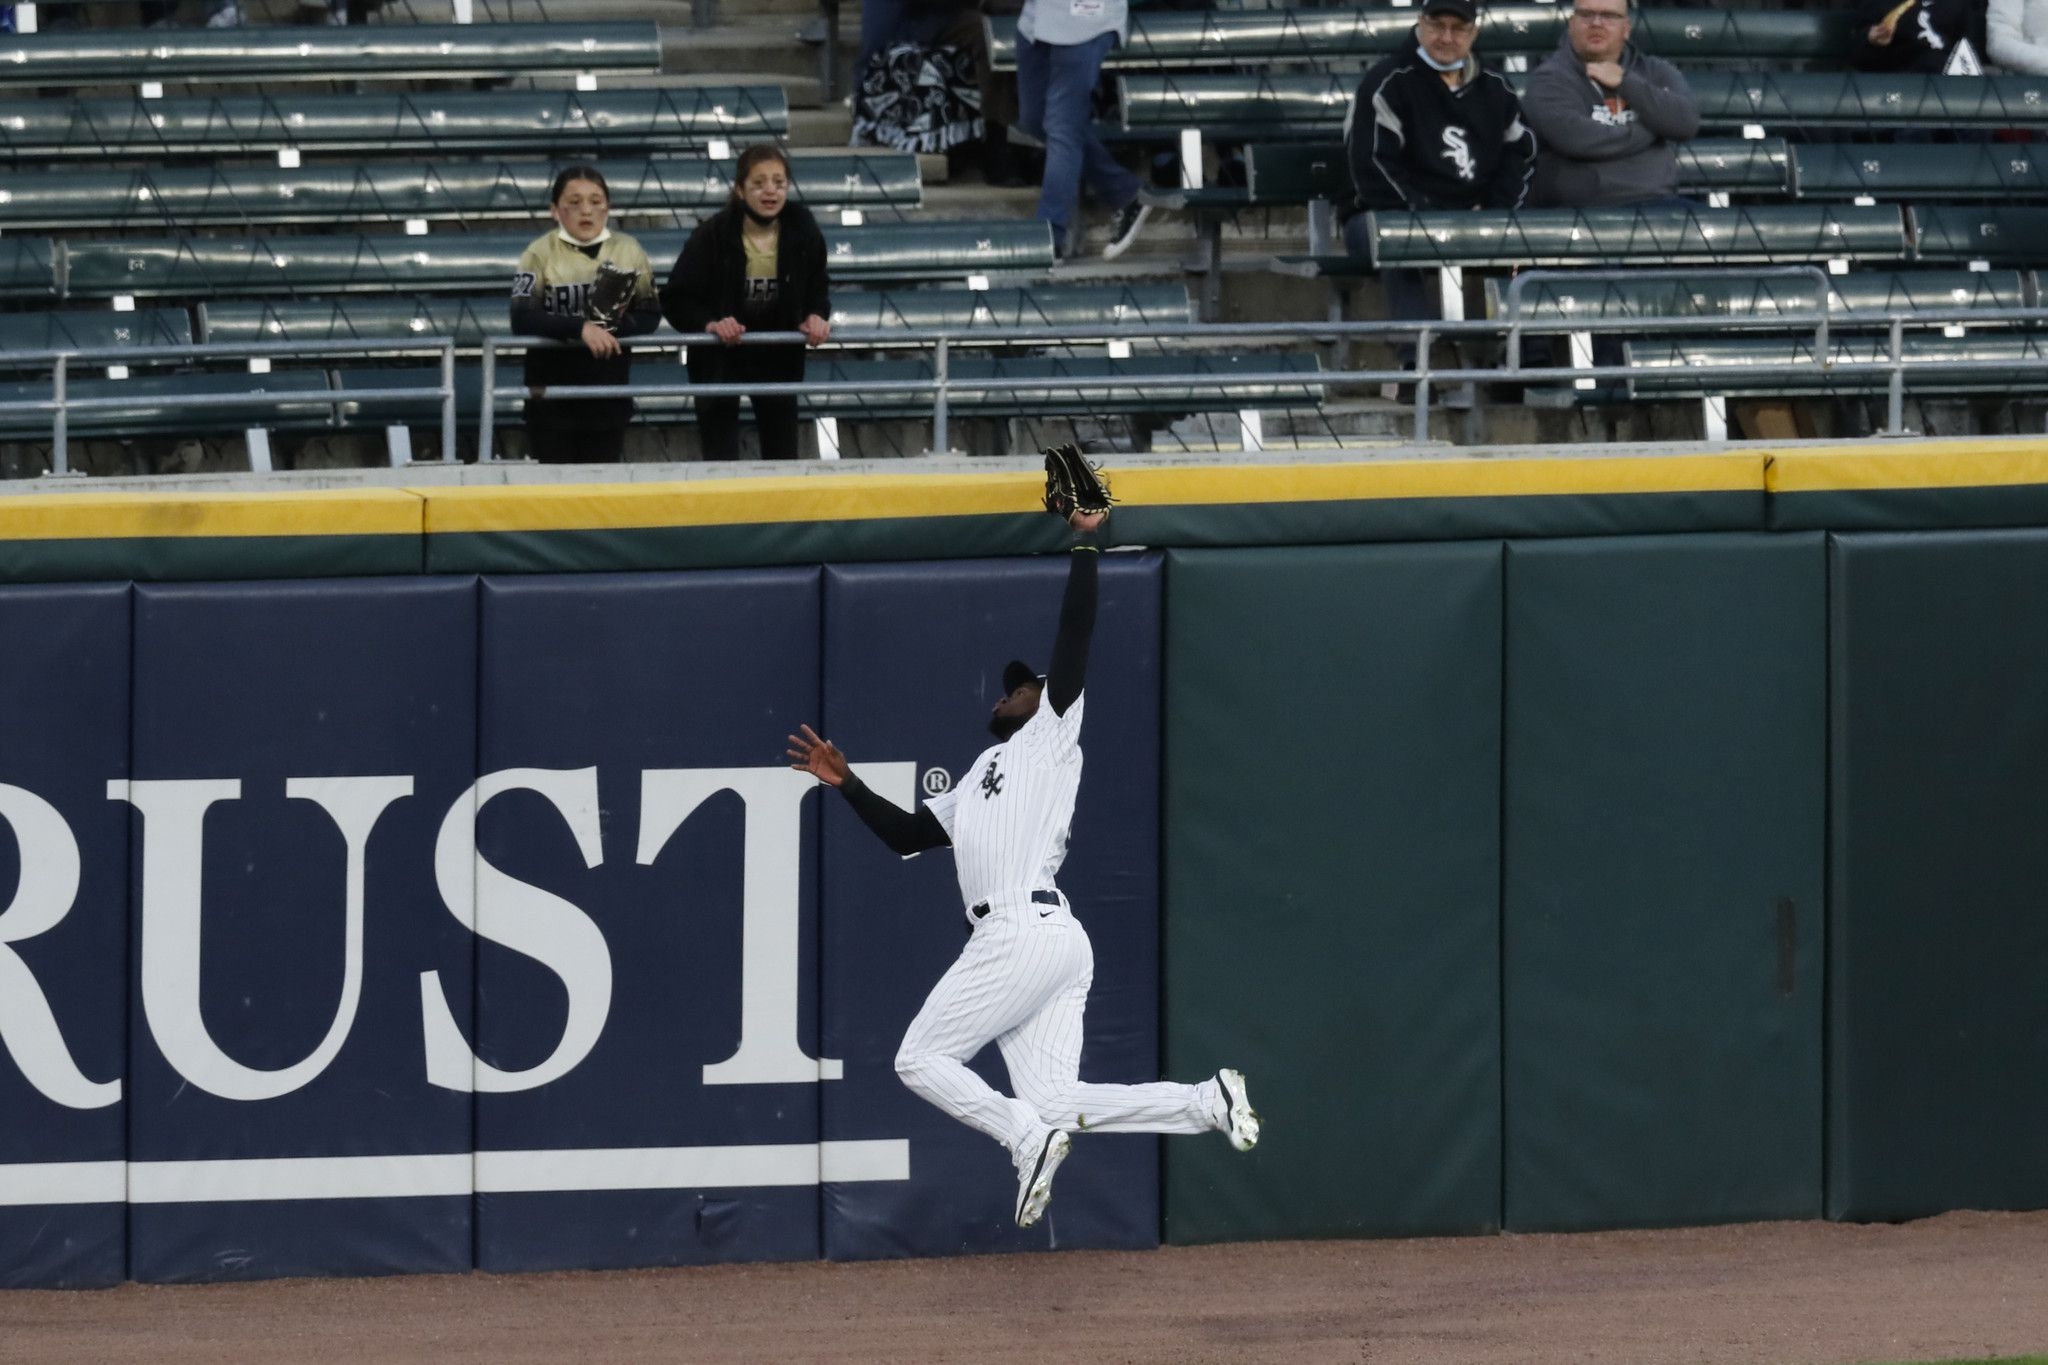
pixel 1034 1183
pixel 1238 1119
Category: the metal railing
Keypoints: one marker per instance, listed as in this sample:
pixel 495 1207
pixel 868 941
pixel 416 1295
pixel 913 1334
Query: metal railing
pixel 940 388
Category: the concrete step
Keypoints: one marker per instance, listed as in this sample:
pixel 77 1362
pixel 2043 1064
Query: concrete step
pixel 829 126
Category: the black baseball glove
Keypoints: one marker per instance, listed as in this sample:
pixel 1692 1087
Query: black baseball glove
pixel 1072 484
pixel 611 294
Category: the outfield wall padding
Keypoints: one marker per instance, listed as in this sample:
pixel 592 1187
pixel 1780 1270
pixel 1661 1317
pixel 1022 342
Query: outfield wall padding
pixel 366 690
pixel 1661 914
pixel 1938 921
pixel 63 936
pixel 1332 803
pixel 913 662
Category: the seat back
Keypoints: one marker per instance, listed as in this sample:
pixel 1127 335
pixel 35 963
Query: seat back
pixel 1904 170
pixel 1766 233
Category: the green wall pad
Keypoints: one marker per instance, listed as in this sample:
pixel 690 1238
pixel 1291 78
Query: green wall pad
pixel 1661 909
pixel 1938 912
pixel 1332 892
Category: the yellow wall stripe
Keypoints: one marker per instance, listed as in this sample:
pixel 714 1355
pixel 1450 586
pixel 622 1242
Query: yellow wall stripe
pixel 859 496
pixel 1983 463
pixel 853 497
pixel 121 516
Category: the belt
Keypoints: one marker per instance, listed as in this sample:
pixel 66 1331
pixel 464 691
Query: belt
pixel 1038 897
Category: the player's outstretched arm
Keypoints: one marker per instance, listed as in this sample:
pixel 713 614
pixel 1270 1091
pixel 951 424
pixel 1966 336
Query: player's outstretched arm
pixel 898 828
pixel 1068 672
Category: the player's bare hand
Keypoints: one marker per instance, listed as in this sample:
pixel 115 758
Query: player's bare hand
pixel 818 757
pixel 1087 522
pixel 599 339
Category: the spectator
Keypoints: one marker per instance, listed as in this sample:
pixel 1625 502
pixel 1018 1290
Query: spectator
pixel 552 296
pixel 1060 47
pixel 1430 128
pixel 1916 35
pixel 2017 35
pixel 756 265
pixel 1606 115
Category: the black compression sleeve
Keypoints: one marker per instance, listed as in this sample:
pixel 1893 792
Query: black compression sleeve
pixel 1077 625
pixel 894 826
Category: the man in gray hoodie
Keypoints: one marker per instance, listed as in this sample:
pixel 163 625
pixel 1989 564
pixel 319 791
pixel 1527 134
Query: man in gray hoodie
pixel 1605 116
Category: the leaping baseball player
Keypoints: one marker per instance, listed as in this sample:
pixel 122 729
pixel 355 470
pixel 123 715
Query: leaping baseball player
pixel 1022 981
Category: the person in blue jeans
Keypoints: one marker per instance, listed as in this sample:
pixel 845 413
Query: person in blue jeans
pixel 1060 47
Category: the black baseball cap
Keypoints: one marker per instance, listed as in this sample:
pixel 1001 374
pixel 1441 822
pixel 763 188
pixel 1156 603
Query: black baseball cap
pixel 1016 673
pixel 1464 9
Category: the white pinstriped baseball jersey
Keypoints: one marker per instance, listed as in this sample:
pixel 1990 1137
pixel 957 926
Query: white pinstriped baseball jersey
pixel 1009 815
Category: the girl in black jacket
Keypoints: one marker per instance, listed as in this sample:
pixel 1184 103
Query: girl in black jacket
pixel 758 265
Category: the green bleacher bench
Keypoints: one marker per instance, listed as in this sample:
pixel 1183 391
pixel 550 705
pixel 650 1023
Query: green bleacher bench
pixel 28 268
pixel 98 329
pixel 1300 172
pixel 1774 233
pixel 292 53
pixel 1982 360
pixel 1247 106
pixel 1566 299
pixel 1088 385
pixel 1907 170
pixel 198 267
pixel 1992 234
pixel 502 121
pixel 469 320
pixel 1787 100
pixel 1221 38
pixel 173 198
pixel 144 413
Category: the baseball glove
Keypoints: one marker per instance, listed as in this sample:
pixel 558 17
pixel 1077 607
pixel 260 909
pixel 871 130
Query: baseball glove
pixel 611 294
pixel 1072 484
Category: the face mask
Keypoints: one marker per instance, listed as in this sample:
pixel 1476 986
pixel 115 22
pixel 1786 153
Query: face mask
pixel 604 236
pixel 1435 65
pixel 753 217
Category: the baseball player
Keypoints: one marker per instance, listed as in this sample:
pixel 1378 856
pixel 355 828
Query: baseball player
pixel 1022 981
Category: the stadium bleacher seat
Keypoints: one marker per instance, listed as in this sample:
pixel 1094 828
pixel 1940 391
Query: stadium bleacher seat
pixel 141 410
pixel 1980 361
pixel 1299 172
pixel 1249 106
pixel 1782 101
pixel 27 268
pixel 380 52
pixel 1221 37
pixel 202 267
pixel 1092 391
pixel 468 320
pixel 612 122
pixel 1992 234
pixel 1763 233
pixel 94 330
pixel 1907 170
pixel 1742 296
pixel 169 198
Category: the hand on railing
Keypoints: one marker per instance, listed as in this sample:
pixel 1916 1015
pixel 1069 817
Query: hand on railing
pixel 727 330
pixel 599 339
pixel 815 329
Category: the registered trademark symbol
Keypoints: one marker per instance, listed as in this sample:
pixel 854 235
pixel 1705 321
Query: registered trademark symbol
pixel 937 781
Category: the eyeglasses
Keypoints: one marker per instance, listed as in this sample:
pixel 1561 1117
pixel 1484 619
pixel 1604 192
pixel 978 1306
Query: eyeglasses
pixel 1587 16
pixel 1448 24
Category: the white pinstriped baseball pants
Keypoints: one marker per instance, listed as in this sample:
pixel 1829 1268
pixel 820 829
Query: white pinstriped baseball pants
pixel 1022 982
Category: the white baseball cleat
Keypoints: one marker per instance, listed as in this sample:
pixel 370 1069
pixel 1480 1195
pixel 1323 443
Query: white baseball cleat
pixel 1034 1183
pixel 1238 1119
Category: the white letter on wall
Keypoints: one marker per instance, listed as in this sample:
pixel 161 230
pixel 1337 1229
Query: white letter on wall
pixel 769 1053
pixel 535 923
pixel 43 896
pixel 173 835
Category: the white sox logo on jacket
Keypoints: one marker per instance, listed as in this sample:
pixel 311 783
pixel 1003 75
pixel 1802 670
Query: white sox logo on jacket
pixel 1458 151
